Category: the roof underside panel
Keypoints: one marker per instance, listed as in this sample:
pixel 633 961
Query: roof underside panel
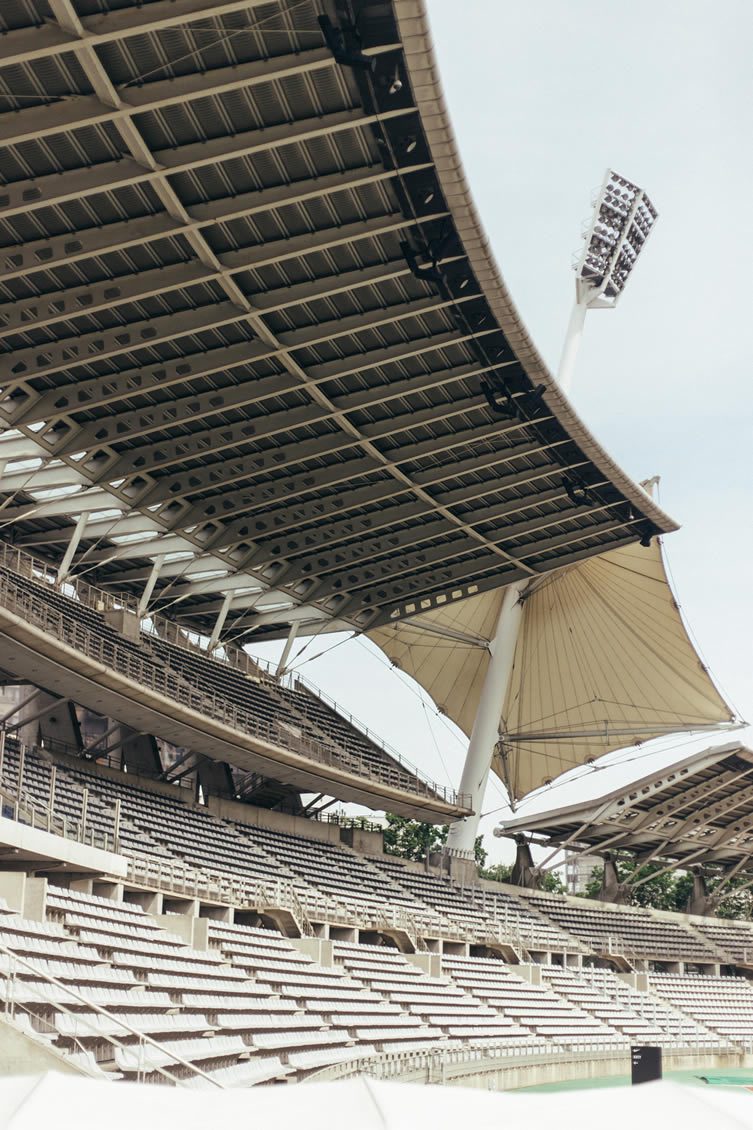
pixel 247 314
pixel 698 811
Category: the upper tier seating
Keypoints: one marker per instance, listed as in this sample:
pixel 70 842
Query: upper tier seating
pixel 733 939
pixel 629 932
pixel 259 705
pixel 336 884
pixel 487 912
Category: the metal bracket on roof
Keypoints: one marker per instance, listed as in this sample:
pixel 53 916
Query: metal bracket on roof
pixel 345 43
pixel 499 397
pixel 423 271
pixel 502 401
pixel 577 490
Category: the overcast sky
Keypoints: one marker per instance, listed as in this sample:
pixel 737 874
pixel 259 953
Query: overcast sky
pixel 543 97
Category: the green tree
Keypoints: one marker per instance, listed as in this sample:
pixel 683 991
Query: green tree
pixel 498 872
pixel 502 872
pixel 414 839
pixel 552 883
pixel 672 890
pixel 655 890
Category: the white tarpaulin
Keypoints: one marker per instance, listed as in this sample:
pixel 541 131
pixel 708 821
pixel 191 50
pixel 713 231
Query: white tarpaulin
pixel 602 660
pixel 63 1102
pixel 68 1103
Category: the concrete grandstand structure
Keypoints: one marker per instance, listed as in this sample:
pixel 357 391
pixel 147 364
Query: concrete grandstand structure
pixel 229 945
pixel 260 378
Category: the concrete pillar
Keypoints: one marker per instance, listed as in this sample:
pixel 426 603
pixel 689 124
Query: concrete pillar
pixel 180 924
pixel 430 963
pixel 698 900
pixel 321 949
pixel 523 872
pixel 200 933
pixel 105 888
pixel 12 887
pixel 149 901
pixel 86 887
pixel 35 899
pixel 612 890
pixel 530 973
pixel 216 912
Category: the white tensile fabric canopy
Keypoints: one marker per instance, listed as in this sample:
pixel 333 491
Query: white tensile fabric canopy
pixel 603 660
pixel 69 1103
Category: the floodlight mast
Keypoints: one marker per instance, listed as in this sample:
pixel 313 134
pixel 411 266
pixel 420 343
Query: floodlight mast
pixel 621 223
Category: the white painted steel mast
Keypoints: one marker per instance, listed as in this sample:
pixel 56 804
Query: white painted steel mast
pixel 622 220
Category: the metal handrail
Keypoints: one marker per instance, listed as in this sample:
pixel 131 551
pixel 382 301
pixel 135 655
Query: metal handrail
pixel 242 893
pixel 44 819
pixel 392 1064
pixel 40 974
pixel 100 600
pixel 164 680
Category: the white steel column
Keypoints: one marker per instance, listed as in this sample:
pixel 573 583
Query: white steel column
pixel 571 345
pixel 219 623
pixel 485 734
pixel 292 634
pixel 78 530
pixel 151 581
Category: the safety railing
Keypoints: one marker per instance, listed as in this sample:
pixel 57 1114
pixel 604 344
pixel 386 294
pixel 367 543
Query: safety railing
pixel 160 678
pixel 101 600
pixel 28 811
pixel 343 821
pixel 244 894
pixel 299 682
pixel 11 969
pixel 436 1062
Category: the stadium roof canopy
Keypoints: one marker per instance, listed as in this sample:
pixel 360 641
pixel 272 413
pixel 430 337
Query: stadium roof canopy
pixel 603 660
pixel 698 811
pixel 258 364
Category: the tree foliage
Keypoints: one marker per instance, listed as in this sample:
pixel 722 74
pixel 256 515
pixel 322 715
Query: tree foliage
pixel 414 839
pixel 498 872
pixel 502 872
pixel 671 890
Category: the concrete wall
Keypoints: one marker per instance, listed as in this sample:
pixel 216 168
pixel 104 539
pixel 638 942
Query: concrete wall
pixel 36 849
pixel 501 1076
pixel 363 840
pixel 277 821
pixel 22 1055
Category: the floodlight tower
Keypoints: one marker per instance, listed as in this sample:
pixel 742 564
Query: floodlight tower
pixel 622 221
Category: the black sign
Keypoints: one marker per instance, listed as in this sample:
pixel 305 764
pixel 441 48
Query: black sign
pixel 645 1063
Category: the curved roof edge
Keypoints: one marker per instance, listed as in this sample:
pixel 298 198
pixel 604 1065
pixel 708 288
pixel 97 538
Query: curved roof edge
pixel 413 26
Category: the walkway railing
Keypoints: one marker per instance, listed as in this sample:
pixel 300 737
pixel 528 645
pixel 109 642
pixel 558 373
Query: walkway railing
pixel 157 676
pixel 28 811
pixel 438 1061
pixel 102 600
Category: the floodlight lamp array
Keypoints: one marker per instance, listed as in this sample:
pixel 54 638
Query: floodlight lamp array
pixel 622 222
